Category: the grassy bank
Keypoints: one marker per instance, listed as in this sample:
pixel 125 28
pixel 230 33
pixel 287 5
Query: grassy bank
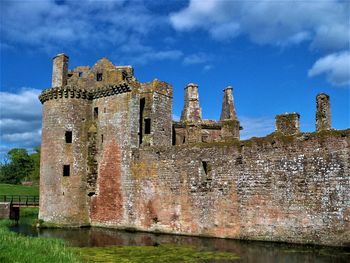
pixel 14 189
pixel 18 248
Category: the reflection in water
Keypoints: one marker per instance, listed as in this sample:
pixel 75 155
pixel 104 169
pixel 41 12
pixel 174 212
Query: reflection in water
pixel 247 251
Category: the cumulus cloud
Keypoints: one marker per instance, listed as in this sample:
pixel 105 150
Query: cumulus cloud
pixel 20 119
pixel 51 26
pixel 336 66
pixel 323 24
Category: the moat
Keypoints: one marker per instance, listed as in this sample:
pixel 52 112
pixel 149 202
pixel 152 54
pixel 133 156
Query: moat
pixel 248 251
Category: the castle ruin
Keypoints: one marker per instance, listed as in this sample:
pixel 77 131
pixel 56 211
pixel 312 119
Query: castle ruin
pixel 112 156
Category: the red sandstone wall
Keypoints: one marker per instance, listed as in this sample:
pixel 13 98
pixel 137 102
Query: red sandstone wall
pixel 116 123
pixel 277 189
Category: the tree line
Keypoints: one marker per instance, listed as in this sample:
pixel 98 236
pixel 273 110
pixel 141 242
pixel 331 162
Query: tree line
pixel 19 166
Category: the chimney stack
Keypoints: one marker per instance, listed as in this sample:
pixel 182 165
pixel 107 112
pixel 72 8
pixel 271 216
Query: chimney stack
pixel 192 111
pixel 60 70
pixel 288 123
pixel 229 123
pixel 228 108
pixel 323 112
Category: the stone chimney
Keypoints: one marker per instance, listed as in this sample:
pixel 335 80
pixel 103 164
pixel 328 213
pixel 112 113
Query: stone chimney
pixel 323 112
pixel 228 108
pixel 60 70
pixel 288 123
pixel 229 123
pixel 192 111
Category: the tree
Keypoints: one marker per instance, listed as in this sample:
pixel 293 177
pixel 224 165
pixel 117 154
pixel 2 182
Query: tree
pixel 35 173
pixel 19 167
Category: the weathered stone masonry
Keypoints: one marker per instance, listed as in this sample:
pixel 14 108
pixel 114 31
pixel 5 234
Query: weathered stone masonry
pixel 128 165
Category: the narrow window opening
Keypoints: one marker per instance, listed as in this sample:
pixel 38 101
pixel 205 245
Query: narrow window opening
pixel 66 170
pixel 173 136
pixel 147 126
pixel 104 110
pixel 80 74
pixel 205 138
pixel 101 138
pixel 99 77
pixel 95 112
pixel 69 136
pixel 142 108
pixel 205 167
pixel 184 139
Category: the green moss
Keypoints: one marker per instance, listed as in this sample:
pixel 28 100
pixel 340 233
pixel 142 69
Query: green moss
pixel 331 133
pixel 230 124
pixel 148 254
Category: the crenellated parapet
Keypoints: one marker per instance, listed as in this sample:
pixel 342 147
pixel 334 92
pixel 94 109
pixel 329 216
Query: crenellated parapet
pixel 79 93
pixel 110 90
pixel 64 92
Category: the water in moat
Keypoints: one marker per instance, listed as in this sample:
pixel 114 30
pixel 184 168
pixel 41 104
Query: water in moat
pixel 247 251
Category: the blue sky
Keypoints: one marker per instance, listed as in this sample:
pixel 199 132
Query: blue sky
pixel 278 55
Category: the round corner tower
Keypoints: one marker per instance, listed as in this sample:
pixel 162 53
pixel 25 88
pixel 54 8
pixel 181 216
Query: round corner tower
pixel 64 149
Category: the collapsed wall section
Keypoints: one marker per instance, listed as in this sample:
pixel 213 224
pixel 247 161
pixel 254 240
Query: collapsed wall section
pixel 277 188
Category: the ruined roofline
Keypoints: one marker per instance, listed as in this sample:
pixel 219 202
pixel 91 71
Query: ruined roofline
pixel 215 125
pixel 78 93
pixel 270 140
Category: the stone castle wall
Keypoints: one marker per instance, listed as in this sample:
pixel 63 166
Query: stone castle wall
pixel 290 189
pixel 115 125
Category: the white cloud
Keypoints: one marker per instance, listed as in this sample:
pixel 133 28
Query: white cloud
pixel 176 117
pixel 256 127
pixel 336 66
pixel 197 58
pixel 323 24
pixel 51 26
pixel 20 119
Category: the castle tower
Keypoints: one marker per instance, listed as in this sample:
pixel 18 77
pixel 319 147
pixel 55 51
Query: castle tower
pixel 60 70
pixel 192 111
pixel 228 118
pixel 323 112
pixel 63 166
pixel 155 115
pixel 228 108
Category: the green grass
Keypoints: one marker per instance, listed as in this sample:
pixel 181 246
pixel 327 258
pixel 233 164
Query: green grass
pixel 151 254
pixel 13 189
pixel 18 248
